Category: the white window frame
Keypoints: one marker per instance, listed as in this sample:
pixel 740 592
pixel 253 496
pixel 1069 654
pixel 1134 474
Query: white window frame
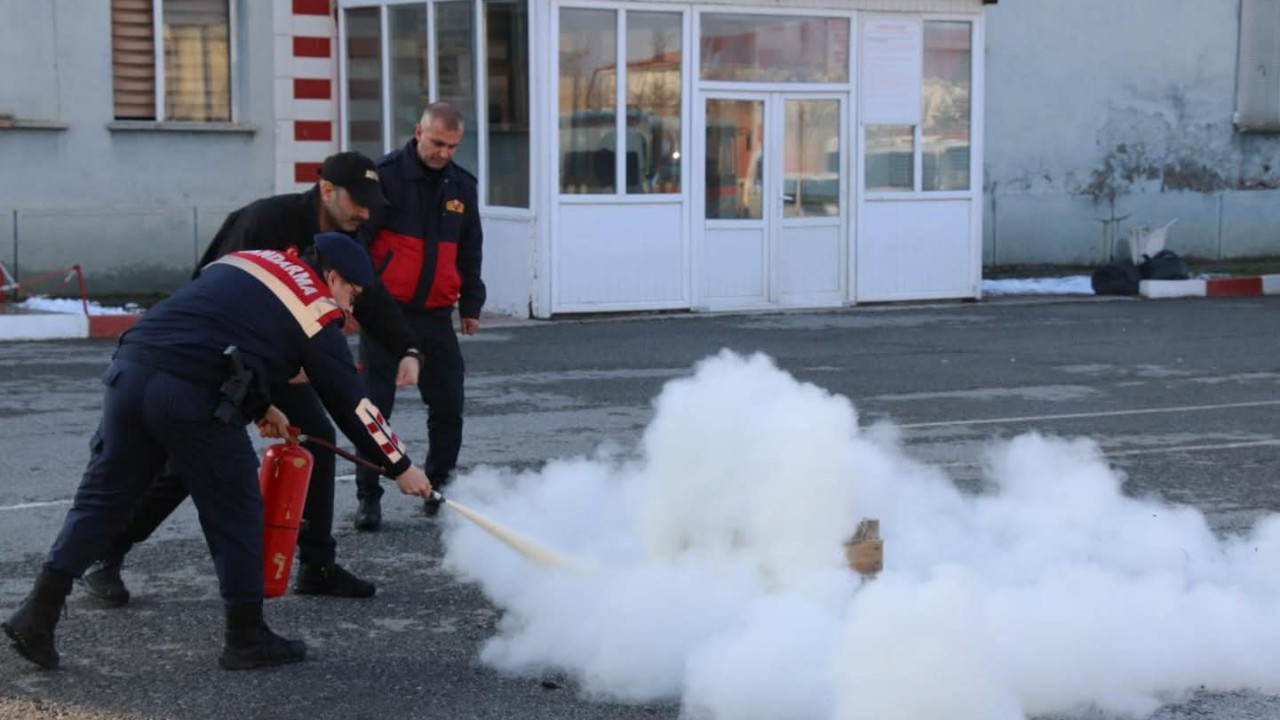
pixel 480 117
pixel 384 56
pixel 620 194
pixel 917 190
pixel 157 31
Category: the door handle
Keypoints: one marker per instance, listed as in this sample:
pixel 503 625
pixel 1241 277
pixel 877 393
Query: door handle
pixel 788 198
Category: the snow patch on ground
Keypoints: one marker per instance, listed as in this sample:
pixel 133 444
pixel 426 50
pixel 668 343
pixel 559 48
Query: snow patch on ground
pixel 68 306
pixel 1072 285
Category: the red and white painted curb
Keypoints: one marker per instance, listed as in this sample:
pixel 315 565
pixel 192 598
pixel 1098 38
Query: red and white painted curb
pixel 1249 286
pixel 63 326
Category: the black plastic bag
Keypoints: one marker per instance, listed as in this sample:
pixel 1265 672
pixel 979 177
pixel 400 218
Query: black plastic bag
pixel 1164 265
pixel 1118 278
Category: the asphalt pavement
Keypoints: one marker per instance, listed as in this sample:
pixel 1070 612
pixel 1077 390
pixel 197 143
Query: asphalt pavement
pixel 1182 395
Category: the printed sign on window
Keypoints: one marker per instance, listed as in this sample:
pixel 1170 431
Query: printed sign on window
pixel 891 70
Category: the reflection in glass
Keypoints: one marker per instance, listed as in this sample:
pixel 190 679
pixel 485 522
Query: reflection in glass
pixel 653 102
pixel 811 159
pixel 771 48
pixel 945 130
pixel 364 81
pixel 507 30
pixel 456 73
pixel 890 156
pixel 409 65
pixel 588 105
pixel 735 159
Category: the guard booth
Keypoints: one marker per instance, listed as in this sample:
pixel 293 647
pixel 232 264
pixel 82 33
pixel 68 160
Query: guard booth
pixel 694 156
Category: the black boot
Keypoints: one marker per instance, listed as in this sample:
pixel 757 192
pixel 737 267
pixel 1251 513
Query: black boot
pixel 332 580
pixel 251 644
pixel 31 626
pixel 104 583
pixel 369 514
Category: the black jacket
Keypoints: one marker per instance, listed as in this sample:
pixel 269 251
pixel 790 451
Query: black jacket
pixel 292 220
pixel 427 245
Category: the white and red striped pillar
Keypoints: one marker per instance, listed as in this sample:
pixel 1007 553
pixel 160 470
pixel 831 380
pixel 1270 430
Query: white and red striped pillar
pixel 306 105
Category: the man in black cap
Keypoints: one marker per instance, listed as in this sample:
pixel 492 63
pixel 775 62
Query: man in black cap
pixel 346 192
pixel 181 389
pixel 340 201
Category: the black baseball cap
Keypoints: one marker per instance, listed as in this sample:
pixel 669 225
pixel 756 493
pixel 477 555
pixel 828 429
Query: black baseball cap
pixel 355 173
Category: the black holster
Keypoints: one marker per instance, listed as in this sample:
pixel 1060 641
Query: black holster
pixel 241 399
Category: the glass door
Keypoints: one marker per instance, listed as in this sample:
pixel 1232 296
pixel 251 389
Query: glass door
pixel 732 247
pixel 774 205
pixel 808 237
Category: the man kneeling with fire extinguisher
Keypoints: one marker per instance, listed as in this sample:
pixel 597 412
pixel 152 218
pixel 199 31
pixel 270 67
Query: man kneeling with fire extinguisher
pixel 169 398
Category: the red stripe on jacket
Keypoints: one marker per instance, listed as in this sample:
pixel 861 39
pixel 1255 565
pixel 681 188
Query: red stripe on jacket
pixel 403 260
pixel 447 283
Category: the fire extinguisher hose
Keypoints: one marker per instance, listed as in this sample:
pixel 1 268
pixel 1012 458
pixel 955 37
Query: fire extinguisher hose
pixel 526 547
pixel 325 444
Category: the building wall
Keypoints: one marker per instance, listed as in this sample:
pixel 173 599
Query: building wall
pixel 1103 116
pixel 135 203
pixel 132 206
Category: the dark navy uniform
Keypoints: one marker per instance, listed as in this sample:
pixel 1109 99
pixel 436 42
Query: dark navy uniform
pixel 163 389
pixel 281 222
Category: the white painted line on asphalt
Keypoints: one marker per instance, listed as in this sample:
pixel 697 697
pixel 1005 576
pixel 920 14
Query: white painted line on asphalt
pixel 55 503
pixel 951 423
pixel 1195 448
pixel 30 505
pixel 1148 451
pixel 1076 416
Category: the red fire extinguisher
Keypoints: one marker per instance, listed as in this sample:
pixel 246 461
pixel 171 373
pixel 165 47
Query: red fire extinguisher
pixel 285 474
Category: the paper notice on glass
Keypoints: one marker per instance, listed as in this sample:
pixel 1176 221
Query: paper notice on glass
pixel 892 52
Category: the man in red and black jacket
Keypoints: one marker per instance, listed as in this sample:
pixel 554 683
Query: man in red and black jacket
pixel 426 245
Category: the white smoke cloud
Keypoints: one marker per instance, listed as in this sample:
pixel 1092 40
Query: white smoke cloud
pixel 709 568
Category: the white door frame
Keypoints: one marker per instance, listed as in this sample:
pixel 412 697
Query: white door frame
pixel 841 221
pixel 773 100
pixel 699 209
